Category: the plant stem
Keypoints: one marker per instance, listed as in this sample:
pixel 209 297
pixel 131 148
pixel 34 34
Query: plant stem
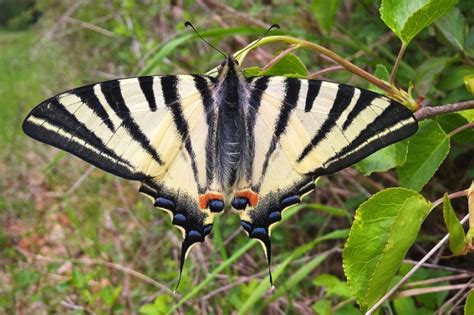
pixel 429 111
pixel 459 129
pixel 282 54
pixel 397 63
pixel 397 94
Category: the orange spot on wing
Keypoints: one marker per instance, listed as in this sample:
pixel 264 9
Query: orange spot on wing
pixel 250 195
pixel 204 199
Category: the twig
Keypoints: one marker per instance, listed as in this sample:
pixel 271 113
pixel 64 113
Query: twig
pixel 461 128
pixel 280 56
pixel 457 296
pixel 412 271
pixel 88 261
pixel 90 26
pixel 79 181
pixel 397 63
pixel 439 279
pixel 420 291
pixel 433 266
pixel 429 111
pixel 325 70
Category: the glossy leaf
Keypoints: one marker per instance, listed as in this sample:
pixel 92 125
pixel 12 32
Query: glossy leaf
pixel 406 18
pixel 384 228
pixel 387 158
pixel 455 229
pixel 289 66
pixel 427 149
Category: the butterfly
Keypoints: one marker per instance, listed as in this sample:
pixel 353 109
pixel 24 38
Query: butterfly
pixel 201 144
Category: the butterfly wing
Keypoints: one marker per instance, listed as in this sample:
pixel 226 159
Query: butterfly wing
pixel 140 129
pixel 302 129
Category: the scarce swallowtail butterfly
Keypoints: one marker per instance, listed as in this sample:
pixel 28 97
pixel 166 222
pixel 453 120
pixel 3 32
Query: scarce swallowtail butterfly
pixel 201 144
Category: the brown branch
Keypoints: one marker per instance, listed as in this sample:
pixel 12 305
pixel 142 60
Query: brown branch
pixel 397 63
pixel 429 111
pixel 461 128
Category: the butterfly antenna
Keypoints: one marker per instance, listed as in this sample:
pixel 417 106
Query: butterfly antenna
pixel 188 24
pixel 273 26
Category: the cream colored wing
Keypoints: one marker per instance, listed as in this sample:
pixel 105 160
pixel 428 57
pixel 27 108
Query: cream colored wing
pixel 302 129
pixel 152 129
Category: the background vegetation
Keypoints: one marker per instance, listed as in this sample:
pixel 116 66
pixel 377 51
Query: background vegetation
pixel 76 240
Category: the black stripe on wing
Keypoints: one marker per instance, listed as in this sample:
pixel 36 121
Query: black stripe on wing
pixel 146 84
pixel 54 115
pixel 87 95
pixel 313 91
pixel 292 92
pixel 259 86
pixel 365 97
pixel 359 148
pixel 113 95
pixel 169 85
pixel 206 95
pixel 343 99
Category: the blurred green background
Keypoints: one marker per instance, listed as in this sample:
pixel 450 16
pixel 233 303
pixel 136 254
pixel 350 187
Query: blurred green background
pixel 76 240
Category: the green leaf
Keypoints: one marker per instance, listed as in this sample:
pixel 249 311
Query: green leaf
pixel 469 83
pixel 454 76
pixel 427 149
pixel 325 13
pixel 452 27
pixel 288 66
pixel 455 229
pixel 404 306
pixel 382 73
pixel 333 285
pixel 384 159
pixel 428 72
pixel 384 228
pixel 469 306
pixel 451 121
pixel 406 18
pixel 322 307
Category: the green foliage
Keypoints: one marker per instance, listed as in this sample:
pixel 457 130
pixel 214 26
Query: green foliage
pixel 325 12
pixel 452 27
pixel 469 306
pixel 455 229
pixel 333 286
pixel 406 18
pixel 290 65
pixel 384 228
pixel 427 149
pixel 385 159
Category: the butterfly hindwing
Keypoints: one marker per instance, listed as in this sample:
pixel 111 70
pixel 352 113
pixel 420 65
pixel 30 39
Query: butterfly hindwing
pixel 141 129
